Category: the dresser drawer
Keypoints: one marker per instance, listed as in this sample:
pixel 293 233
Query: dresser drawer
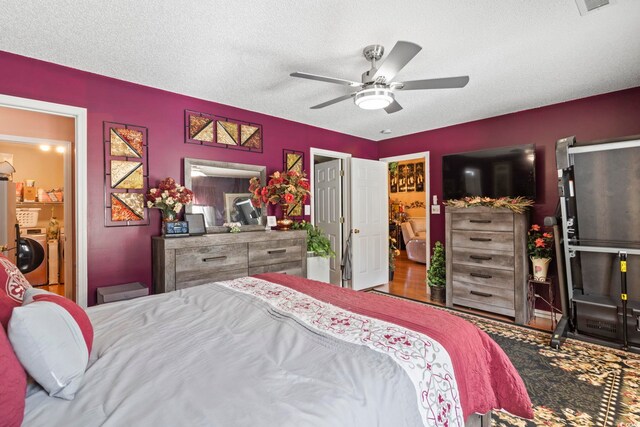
pixel 481 221
pixel 275 252
pixel 482 297
pixel 485 240
pixel 210 259
pixel 499 278
pixel 292 268
pixel 477 257
pixel 195 278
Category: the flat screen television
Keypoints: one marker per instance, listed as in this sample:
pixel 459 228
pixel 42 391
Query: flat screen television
pixel 497 172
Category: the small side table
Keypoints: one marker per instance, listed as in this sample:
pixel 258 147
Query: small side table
pixel 533 296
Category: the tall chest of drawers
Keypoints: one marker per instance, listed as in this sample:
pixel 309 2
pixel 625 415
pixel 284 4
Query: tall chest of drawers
pixel 183 262
pixel 486 260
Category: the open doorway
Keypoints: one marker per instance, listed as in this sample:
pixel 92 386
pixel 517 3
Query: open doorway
pixel 72 271
pixel 40 184
pixel 409 214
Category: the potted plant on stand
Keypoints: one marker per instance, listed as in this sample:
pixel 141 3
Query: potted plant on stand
pixel 318 252
pixel 540 248
pixel 437 274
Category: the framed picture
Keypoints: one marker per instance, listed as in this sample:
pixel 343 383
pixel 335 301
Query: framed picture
pixel 411 177
pixel 393 181
pixel 402 178
pixel 420 176
pixel 223 132
pixel 196 223
pixel 126 174
pixel 295 210
pixel 293 161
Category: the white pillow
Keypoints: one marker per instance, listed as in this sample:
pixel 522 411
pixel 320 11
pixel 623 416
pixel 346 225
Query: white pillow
pixel 50 346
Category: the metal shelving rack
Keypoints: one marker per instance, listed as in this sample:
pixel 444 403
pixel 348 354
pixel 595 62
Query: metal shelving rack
pixel 599 308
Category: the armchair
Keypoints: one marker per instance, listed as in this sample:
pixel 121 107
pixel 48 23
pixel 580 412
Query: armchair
pixel 414 236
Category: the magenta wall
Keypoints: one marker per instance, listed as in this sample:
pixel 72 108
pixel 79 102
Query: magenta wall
pixel 123 254
pixel 598 117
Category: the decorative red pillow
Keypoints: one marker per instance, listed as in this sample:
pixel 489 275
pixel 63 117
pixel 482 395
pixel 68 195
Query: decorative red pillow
pixel 13 385
pixel 12 287
pixel 78 314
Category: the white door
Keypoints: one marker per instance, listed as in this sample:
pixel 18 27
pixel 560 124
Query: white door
pixel 370 227
pixel 328 211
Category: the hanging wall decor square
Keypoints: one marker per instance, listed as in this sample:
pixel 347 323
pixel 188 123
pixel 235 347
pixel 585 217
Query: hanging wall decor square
pixel 223 132
pixel 126 174
pixel 293 160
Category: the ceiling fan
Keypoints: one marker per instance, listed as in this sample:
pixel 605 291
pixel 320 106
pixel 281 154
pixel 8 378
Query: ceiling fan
pixel 377 88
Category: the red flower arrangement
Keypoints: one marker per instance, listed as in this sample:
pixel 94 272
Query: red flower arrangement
pixel 169 197
pixel 290 187
pixel 539 243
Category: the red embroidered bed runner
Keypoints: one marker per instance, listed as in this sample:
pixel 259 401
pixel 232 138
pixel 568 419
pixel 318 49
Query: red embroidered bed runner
pixel 485 377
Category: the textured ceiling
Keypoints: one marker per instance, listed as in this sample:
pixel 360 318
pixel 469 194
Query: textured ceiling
pixel 519 54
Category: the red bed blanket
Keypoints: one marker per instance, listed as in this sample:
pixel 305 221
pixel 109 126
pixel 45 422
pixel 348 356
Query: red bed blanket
pixel 486 378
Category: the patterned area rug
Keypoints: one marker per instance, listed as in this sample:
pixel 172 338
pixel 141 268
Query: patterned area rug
pixel 580 384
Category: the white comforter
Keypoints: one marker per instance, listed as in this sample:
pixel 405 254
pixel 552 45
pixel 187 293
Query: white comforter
pixel 211 356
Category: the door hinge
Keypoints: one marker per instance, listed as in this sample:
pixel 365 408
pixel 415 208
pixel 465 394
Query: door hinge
pixel 341 220
pixel 342 172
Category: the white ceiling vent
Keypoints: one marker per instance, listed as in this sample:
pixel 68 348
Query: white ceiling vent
pixel 586 6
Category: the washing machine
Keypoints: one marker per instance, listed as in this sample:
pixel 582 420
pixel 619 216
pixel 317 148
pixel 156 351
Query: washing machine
pixel 32 255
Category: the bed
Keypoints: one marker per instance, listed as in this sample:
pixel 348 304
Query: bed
pixel 278 350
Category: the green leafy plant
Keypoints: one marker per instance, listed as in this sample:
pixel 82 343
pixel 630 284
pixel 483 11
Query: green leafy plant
pixel 317 241
pixel 437 273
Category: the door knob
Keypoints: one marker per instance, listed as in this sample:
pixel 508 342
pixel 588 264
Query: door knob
pixel 356 231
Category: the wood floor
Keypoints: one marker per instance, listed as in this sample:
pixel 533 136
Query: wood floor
pixel 409 281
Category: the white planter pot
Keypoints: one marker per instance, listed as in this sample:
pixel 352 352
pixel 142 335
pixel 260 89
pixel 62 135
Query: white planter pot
pixel 540 268
pixel 318 268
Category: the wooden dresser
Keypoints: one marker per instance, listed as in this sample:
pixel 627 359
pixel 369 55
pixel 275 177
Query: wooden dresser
pixel 486 258
pixel 182 262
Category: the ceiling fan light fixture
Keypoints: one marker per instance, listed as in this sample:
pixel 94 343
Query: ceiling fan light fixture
pixel 374 98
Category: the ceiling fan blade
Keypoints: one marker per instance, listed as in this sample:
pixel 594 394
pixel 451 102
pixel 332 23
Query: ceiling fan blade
pixel 444 83
pixel 400 55
pixel 333 101
pixel 394 107
pixel 325 79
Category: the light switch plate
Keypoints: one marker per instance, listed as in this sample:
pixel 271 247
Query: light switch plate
pixel 307 209
pixel 435 209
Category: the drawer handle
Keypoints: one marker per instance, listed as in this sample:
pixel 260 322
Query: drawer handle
pixel 481 294
pixel 480 239
pixel 480 257
pixel 481 221
pixel 276 251
pixel 484 276
pixel 214 258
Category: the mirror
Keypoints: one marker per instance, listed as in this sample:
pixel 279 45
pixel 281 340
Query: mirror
pixel 221 193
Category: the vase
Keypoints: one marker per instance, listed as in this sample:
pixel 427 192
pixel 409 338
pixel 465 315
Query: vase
pixel 285 222
pixel 540 268
pixel 167 217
